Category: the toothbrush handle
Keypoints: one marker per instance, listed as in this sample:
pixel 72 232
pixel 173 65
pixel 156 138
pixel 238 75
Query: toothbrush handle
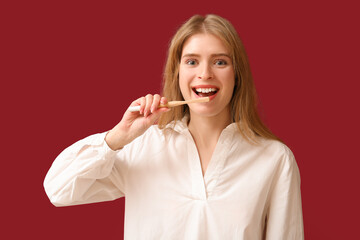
pixel 172 104
pixel 137 108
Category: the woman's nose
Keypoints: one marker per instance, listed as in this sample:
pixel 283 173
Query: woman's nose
pixel 205 72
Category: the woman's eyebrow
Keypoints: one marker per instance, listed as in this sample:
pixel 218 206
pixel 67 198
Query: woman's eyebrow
pixel 190 55
pixel 221 55
pixel 212 55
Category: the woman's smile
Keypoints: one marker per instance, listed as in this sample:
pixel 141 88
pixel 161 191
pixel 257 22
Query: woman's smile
pixel 205 91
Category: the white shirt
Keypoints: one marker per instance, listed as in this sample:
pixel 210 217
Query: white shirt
pixel 248 192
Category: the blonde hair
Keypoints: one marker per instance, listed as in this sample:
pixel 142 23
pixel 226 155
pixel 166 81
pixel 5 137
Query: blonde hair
pixel 244 100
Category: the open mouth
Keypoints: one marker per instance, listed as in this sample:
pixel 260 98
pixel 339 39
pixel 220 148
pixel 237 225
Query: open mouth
pixel 205 92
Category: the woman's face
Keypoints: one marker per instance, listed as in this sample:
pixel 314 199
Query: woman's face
pixel 206 70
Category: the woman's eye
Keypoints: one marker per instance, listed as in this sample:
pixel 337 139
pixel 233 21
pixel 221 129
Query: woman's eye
pixel 190 62
pixel 220 62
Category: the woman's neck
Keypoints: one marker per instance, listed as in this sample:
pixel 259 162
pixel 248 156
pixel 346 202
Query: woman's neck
pixel 208 129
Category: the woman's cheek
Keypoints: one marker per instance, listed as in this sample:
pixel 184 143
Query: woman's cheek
pixel 182 87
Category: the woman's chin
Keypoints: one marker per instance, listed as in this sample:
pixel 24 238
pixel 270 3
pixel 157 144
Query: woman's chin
pixel 210 110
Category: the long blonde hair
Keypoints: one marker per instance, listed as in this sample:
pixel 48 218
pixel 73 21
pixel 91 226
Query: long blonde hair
pixel 244 100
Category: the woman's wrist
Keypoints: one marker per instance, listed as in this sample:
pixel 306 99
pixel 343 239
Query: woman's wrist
pixel 115 139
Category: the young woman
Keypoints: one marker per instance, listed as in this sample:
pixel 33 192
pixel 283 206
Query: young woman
pixel 206 170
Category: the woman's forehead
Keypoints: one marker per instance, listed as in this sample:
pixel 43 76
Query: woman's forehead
pixel 204 43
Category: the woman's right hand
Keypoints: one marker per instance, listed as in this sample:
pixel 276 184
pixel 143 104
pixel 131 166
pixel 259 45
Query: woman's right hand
pixel 134 124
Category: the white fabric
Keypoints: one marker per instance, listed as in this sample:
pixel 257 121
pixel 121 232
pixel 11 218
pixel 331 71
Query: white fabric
pixel 248 191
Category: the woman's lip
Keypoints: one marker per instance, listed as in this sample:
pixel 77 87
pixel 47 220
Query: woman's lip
pixel 205 86
pixel 213 96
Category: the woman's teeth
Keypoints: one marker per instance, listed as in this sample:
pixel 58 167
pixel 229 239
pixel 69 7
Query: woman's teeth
pixel 205 90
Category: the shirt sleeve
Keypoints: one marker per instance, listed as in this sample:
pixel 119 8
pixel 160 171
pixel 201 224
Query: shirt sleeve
pixel 87 171
pixel 284 216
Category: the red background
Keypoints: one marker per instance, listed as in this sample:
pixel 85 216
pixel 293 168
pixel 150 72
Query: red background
pixel 70 68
